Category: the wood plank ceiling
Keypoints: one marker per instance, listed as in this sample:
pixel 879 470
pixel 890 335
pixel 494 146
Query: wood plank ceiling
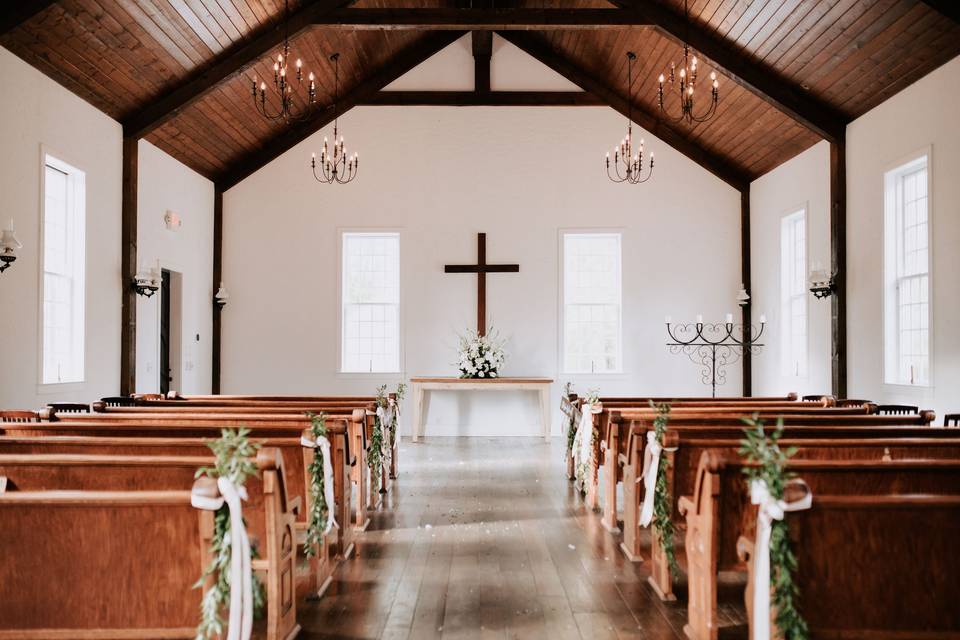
pixel 123 55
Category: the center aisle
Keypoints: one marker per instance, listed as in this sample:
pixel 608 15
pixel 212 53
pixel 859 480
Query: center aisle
pixel 485 538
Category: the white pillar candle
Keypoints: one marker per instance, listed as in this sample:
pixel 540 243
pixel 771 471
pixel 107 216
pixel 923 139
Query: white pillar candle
pixel 729 318
pixel 667 319
pixel 699 319
pixel 763 319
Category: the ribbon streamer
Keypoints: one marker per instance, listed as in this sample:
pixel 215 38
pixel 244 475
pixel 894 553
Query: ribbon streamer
pixel 583 440
pixel 241 572
pixel 385 416
pixel 770 509
pixel 323 444
pixel 651 466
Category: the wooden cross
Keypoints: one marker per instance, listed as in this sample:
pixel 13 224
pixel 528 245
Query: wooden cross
pixel 481 269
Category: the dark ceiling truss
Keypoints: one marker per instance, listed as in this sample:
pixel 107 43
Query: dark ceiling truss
pixel 234 60
pixel 16 12
pixel 400 64
pixel 948 8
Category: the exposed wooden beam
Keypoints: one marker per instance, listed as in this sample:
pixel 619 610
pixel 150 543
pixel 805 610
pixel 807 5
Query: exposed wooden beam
pixel 217 277
pixel 786 96
pixel 128 267
pixel 480 19
pixel 745 277
pixel 481 99
pixel 838 266
pixel 15 13
pixel 398 65
pixel 234 60
pixel 949 8
pixel 715 164
pixel 482 52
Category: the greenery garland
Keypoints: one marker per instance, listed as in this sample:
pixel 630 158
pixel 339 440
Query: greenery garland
pixel 663 524
pixel 319 509
pixel 375 446
pixel 234 460
pixel 771 463
pixel 400 393
pixel 572 426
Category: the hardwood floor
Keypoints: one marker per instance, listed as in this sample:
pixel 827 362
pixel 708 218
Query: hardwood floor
pixel 485 538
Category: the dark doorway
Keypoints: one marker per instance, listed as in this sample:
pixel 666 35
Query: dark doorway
pixel 165 377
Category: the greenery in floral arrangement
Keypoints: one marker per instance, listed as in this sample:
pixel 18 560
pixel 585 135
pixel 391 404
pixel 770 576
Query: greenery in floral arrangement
pixel 592 397
pixel 234 454
pixel 480 356
pixel 662 500
pixel 771 463
pixel 319 509
pixel 375 446
pixel 572 426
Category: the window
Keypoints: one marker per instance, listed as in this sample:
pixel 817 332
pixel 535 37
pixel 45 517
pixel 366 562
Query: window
pixel 591 303
pixel 64 256
pixel 907 274
pixel 370 332
pixel 793 295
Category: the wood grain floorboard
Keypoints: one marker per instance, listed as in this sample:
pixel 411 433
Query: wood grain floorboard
pixel 483 539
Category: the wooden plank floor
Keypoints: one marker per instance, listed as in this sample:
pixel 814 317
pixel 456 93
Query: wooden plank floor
pixel 485 538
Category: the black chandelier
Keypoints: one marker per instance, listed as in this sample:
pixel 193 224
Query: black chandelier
pixel 624 153
pixel 284 103
pixel 685 82
pixel 335 165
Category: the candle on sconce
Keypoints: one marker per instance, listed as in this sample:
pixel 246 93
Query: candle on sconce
pixel 667 319
pixel 729 318
pixel 699 319
pixel 763 319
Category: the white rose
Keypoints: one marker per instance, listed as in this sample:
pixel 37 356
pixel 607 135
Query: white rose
pixel 481 374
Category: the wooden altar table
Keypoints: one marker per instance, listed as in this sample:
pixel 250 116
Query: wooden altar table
pixel 420 386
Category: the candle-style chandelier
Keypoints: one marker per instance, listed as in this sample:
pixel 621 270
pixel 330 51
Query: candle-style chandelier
pixel 285 101
pixel 623 154
pixel 684 82
pixel 335 165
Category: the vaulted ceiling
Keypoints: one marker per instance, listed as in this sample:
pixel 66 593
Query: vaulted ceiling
pixel 178 72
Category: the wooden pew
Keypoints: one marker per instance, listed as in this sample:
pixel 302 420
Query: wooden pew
pixel 719 513
pixel 110 547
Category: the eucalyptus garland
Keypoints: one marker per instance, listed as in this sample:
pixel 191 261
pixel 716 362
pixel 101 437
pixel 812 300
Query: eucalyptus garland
pixel 663 525
pixel 319 509
pixel 375 446
pixel 234 454
pixel 771 462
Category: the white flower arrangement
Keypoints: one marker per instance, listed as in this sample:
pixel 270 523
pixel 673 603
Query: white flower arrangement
pixel 480 356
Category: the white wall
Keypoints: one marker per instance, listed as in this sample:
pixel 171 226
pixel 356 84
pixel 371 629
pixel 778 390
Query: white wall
pixel 440 175
pixel 167 185
pixel 38 113
pixel 801 183
pixel 922 115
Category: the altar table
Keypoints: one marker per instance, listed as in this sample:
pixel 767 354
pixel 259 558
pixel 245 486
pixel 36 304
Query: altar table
pixel 420 386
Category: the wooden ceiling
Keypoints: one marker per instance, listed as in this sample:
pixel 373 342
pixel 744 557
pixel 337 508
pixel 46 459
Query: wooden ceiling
pixel 178 72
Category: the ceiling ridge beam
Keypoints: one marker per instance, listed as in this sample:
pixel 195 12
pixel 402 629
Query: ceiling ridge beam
pixel 483 99
pixel 781 93
pixel 293 134
pixel 158 111
pixel 17 13
pixel 709 160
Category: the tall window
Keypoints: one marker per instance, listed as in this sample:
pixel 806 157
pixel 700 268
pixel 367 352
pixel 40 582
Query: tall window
pixel 64 256
pixel 591 303
pixel 907 274
pixel 371 302
pixel 793 295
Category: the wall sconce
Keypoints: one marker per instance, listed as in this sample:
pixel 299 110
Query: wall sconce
pixel 8 247
pixel 146 283
pixel 172 220
pixel 221 297
pixel 743 298
pixel 821 283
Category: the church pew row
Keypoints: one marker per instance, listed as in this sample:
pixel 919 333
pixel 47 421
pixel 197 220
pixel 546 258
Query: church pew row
pixel 887 529
pixel 81 537
pixel 338 544
pixel 683 473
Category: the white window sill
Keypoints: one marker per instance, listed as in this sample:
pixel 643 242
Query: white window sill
pixel 59 387
pixel 366 375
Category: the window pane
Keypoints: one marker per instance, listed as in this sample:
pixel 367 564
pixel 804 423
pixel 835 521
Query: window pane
pixel 592 295
pixel 371 302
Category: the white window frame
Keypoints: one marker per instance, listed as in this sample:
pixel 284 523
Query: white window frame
pixel 785 370
pixel 890 272
pixel 339 311
pixel 77 187
pixel 561 350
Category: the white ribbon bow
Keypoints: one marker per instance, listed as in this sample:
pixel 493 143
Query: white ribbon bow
pixel 770 509
pixel 324 445
pixel 241 571
pixel 651 466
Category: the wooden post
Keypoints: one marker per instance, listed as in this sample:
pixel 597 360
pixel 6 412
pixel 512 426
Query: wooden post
pixel 745 276
pixel 128 268
pixel 482 52
pixel 838 266
pixel 217 277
